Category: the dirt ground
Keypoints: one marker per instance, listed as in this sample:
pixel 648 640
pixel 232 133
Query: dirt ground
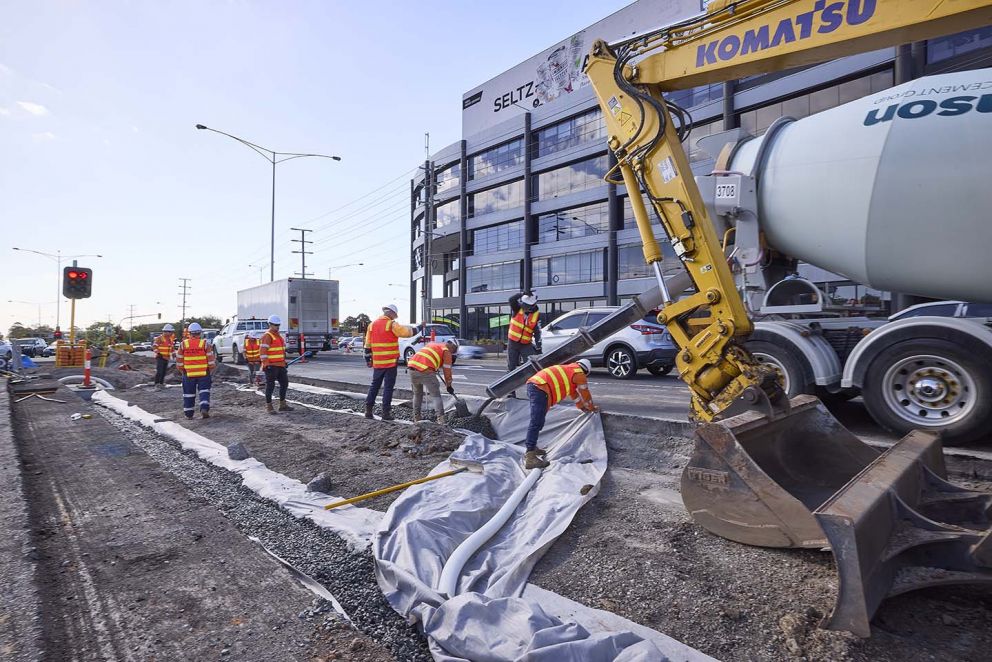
pixel 633 550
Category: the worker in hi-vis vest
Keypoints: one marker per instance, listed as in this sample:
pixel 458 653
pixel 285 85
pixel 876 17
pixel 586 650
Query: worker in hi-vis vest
pixel 196 361
pixel 382 353
pixel 272 353
pixel 423 367
pixel 253 354
pixel 546 389
pixel 165 350
pixel 524 335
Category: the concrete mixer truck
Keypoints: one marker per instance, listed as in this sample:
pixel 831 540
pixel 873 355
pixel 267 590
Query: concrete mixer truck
pixel 889 191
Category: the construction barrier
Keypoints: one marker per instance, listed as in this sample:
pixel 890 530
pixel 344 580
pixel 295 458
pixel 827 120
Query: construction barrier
pixel 86 368
pixel 70 355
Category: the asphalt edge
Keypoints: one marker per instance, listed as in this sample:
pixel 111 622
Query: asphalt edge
pixel 20 606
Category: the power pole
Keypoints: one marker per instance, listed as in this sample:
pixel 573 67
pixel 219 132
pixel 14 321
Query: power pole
pixel 302 241
pixel 130 331
pixel 429 222
pixel 184 291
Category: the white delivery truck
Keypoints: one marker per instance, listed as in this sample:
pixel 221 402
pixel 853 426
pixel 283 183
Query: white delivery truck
pixel 305 305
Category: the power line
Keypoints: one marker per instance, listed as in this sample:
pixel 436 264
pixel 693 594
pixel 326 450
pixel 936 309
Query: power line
pixel 184 291
pixel 303 252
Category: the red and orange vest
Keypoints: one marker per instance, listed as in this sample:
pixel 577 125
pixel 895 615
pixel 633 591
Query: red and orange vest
pixel 557 382
pixel 252 351
pixel 275 354
pixel 429 359
pixel 384 343
pixel 163 345
pixel 522 326
pixel 195 357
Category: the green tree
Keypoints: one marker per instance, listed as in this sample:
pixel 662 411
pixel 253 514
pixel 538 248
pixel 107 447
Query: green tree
pixel 18 330
pixel 206 321
pixel 356 324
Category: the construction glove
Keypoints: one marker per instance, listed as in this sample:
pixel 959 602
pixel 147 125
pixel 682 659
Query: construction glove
pixel 537 347
pixel 368 357
pixel 450 390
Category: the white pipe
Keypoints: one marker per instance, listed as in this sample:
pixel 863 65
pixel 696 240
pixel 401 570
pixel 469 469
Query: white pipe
pixel 78 379
pixel 448 583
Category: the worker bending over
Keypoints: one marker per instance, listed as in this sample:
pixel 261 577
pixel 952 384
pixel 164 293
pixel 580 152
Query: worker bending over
pixel 424 366
pixel 253 354
pixel 164 348
pixel 196 361
pixel 382 353
pixel 546 389
pixel 272 353
pixel 524 335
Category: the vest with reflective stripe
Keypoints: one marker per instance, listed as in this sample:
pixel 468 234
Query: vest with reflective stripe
pixel 384 344
pixel 252 351
pixel 276 354
pixel 195 357
pixel 558 381
pixel 428 359
pixel 522 326
pixel 163 346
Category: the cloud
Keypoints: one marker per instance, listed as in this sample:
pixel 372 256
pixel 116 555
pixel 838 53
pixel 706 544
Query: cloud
pixel 35 109
pixel 4 112
pixel 44 136
pixel 5 70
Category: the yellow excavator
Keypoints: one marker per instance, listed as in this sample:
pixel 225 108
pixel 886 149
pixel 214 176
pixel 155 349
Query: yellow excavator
pixel 767 471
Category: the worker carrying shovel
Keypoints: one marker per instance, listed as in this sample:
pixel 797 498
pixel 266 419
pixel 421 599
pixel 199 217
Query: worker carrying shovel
pixel 546 389
pixel 424 366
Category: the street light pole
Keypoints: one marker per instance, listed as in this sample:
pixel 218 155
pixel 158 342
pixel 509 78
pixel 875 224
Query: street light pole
pixel 58 284
pixel 342 266
pixel 275 158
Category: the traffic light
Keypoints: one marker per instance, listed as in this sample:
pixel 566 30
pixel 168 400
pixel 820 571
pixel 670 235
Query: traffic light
pixel 77 282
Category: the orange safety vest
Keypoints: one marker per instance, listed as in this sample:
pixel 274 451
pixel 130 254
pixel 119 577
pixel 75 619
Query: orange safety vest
pixel 384 343
pixel 429 359
pixel 195 357
pixel 557 382
pixel 275 355
pixel 163 346
pixel 522 326
pixel 252 350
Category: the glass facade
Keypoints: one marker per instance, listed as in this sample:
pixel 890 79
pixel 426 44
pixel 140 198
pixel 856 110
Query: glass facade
pixel 502 237
pixel 447 214
pixel 506 156
pixel 487 323
pixel 573 133
pixel 584 267
pixel 698 96
pixel 944 48
pixel 499 198
pixel 449 178
pixel 572 223
pixel 572 178
pixel 498 276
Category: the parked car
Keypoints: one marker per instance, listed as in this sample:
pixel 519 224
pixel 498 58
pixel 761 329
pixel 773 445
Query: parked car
pixel 31 346
pixel 466 350
pixel 6 351
pixel 352 343
pixel 409 346
pixel 142 347
pixel 945 309
pixel 50 349
pixel 645 344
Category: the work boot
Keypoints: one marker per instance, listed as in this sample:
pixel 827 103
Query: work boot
pixel 541 452
pixel 284 407
pixel 534 460
pixel 205 413
pixel 368 413
pixel 386 415
pixel 269 408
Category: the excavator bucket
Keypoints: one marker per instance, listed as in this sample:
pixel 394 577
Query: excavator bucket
pixel 891 519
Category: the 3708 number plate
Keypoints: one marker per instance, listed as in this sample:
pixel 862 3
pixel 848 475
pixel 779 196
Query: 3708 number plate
pixel 726 191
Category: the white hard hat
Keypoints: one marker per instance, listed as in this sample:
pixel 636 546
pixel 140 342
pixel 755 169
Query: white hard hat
pixel 168 327
pixel 275 319
pixel 392 307
pixel 585 365
pixel 528 299
pixel 195 327
pixel 452 344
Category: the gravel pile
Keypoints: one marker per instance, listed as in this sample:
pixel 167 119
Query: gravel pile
pixel 314 551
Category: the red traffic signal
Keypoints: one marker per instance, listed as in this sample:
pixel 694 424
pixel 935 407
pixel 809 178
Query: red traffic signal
pixel 77 282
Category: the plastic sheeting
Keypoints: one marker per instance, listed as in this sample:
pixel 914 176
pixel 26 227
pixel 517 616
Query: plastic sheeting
pixel 488 620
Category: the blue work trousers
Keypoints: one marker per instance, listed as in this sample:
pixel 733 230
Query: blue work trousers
pixel 538 412
pixel 386 379
pixel 192 386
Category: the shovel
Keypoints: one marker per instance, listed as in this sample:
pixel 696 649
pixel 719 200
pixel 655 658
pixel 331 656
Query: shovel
pixel 461 409
pixel 460 464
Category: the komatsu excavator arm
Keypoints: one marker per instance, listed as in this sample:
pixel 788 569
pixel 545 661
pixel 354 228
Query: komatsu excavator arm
pixel 732 40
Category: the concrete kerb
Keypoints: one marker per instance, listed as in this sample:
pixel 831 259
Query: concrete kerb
pixel 19 601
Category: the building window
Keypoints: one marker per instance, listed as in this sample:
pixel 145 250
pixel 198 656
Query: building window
pixel 498 276
pixel 944 48
pixel 507 196
pixel 573 178
pixel 585 267
pixel 449 178
pixel 503 237
pixel 697 96
pixel 757 121
pixel 447 213
pixel 506 156
pixel 451 288
pixel 582 130
pixel 572 223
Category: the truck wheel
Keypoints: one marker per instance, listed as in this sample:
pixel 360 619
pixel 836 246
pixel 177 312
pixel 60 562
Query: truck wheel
pixel 621 362
pixel 660 370
pixel 238 357
pixel 408 354
pixel 788 367
pixel 930 385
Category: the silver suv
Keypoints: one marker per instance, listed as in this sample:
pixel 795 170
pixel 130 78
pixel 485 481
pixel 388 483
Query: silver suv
pixel 409 346
pixel 644 344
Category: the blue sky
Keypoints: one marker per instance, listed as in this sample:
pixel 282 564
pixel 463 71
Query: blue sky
pixel 98 102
